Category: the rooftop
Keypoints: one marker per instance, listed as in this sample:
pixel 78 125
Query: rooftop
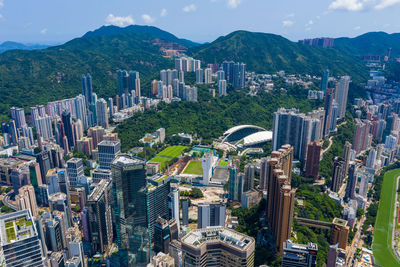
pixel 198 237
pixel 126 160
pixel 257 138
pixel 15 227
pixel 97 192
pixel 339 221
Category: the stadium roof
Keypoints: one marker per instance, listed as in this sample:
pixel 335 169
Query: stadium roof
pixel 240 127
pixel 257 138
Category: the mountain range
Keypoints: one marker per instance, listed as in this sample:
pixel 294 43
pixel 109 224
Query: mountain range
pixel 35 77
pixel 15 45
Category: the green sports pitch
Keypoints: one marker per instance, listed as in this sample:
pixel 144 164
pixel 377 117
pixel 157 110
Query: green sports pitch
pixel 382 242
pixel 168 155
pixel 194 167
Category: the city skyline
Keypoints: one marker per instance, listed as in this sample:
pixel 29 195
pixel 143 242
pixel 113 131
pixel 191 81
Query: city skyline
pixel 295 21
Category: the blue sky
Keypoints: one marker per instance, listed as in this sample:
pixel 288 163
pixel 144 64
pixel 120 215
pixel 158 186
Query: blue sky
pixel 197 20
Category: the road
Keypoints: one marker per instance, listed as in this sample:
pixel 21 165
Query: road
pixel 329 146
pixel 357 242
pixel 7 202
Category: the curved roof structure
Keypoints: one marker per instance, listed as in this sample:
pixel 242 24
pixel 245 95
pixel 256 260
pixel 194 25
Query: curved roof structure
pixel 241 127
pixel 257 138
pixel 237 133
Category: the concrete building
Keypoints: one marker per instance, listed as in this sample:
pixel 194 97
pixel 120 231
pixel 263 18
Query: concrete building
pixel 280 201
pixel 299 255
pixel 20 244
pixel 26 199
pixel 336 256
pixel 339 233
pixel 131 221
pixel 100 216
pixel 162 260
pixel 338 174
pixel 313 157
pixel 75 170
pixel 341 93
pixel 108 150
pixel 217 246
pixel 210 215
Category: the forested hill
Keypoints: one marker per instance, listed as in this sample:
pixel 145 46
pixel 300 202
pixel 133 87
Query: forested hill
pixel 269 53
pixel 36 77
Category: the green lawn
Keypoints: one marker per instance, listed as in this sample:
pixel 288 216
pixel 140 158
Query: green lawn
pixel 382 242
pixel 173 151
pixel 223 163
pixel 194 167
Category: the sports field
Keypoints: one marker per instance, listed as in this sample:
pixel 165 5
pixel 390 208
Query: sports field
pixel 168 155
pixel 382 242
pixel 194 167
pixel 172 151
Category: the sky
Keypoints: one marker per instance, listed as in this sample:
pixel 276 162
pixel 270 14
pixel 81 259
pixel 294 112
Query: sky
pixel 57 21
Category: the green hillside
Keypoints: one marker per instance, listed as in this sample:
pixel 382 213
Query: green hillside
pixel 269 53
pixel 372 43
pixel 36 77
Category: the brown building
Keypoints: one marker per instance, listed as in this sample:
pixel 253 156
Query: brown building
pixel 313 157
pixel 339 233
pixel 280 202
pixel 26 199
pixel 217 246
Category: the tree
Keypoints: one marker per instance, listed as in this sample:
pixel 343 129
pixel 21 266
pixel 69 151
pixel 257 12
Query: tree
pixel 196 193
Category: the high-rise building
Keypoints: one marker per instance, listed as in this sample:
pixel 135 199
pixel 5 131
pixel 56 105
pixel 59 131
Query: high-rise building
pixel 239 75
pixel 75 170
pixel 210 215
pixel 164 232
pixel 227 67
pixel 222 87
pixel 339 233
pixel 18 115
pixel 362 136
pixel 324 81
pixel 102 113
pixel 20 244
pixel 87 89
pixel 299 255
pixel 10 133
pixel 249 174
pixel 341 93
pixel 158 199
pixel 207 75
pixel 108 150
pixel 26 199
pixel 351 182
pixel 100 216
pixel 60 202
pixel 296 129
pixel 347 155
pixel 235 184
pixel 222 247
pixel 220 76
pixel 280 202
pixel 199 76
pixel 336 256
pixel 131 210
pixel 329 97
pixel 313 157
pixel 185 211
pixel 338 173
pixel 66 119
pixel 371 159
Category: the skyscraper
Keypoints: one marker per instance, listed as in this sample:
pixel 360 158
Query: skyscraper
pixel 75 170
pixel 199 76
pixel 222 87
pixel 18 115
pixel 207 75
pixel 299 255
pixel 338 174
pixel 324 81
pixel 239 75
pixel 280 202
pixel 351 182
pixel 66 119
pixel 99 215
pixel 20 244
pixel 108 150
pixel 329 97
pixel 131 210
pixel 249 174
pixel 296 129
pixel 341 92
pixel 87 89
pixel 26 199
pixel 362 136
pixel 313 156
pixel 347 155
pixel 102 113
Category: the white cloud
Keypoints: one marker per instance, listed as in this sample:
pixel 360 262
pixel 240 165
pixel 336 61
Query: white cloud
pixel 287 23
pixel 119 21
pixel 357 28
pixel 189 8
pixel 147 18
pixel 291 15
pixel 318 17
pixel 43 31
pixel 1 3
pixel 164 12
pixel 310 22
pixel 1 16
pixel 349 5
pixel 386 3
pixel 234 3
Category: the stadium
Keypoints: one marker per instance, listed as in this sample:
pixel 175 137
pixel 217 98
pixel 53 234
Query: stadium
pixel 247 136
